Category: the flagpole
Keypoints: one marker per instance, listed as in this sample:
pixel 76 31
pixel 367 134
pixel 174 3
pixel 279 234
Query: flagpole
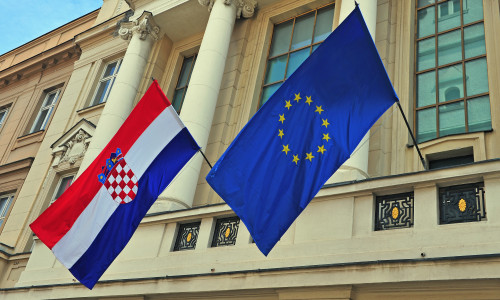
pixel 412 136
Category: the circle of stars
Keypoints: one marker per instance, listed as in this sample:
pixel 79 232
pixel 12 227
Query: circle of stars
pixel 313 154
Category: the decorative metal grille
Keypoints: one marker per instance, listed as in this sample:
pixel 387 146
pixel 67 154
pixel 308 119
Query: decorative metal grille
pixel 225 232
pixel 187 236
pixel 394 211
pixel 462 203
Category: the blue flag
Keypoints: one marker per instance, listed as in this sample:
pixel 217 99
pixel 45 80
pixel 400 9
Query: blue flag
pixel 304 133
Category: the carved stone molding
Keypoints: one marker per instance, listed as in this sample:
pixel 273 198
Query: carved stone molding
pixel 144 26
pixel 72 146
pixel 244 8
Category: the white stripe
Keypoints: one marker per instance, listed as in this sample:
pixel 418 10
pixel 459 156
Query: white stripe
pixel 152 141
pixel 88 225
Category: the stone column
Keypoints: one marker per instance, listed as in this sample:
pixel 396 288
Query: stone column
pixel 201 97
pixel 142 33
pixel 356 167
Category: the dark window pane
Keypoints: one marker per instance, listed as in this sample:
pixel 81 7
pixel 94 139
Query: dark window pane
pixel 281 38
pixel 185 72
pixel 268 91
pixel 324 23
pixel 4 201
pixel 461 203
pixel 63 186
pixel 101 92
pixel 473 11
pixel 276 69
pixel 296 59
pixel 426 89
pixel 426 124
pixel 303 31
pixel 476 77
pixel 478 113
pixel 426 24
pixel 474 40
pixel 449 47
pixel 450 77
pixel 426 54
pixel 110 68
pixel 451 118
pixel 50 99
pixel 187 236
pixel 449 17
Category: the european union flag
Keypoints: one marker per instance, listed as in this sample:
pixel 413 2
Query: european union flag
pixel 304 133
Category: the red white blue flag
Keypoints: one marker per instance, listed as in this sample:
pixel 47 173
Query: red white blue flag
pixel 89 225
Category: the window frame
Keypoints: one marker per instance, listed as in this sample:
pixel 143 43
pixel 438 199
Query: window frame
pixel 49 107
pixel 184 87
pixel 59 183
pixel 313 44
pixel 464 7
pixel 4 212
pixel 111 78
pixel 4 110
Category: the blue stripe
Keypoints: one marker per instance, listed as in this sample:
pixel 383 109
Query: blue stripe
pixel 122 224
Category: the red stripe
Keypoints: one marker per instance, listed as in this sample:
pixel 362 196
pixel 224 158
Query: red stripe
pixel 56 220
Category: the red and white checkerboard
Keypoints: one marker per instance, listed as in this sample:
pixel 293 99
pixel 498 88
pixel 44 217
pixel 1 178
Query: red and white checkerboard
pixel 121 183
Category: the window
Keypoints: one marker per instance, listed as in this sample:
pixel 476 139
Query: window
pixel 45 111
pixel 461 203
pixel 3 115
pixel 183 81
pixel 187 236
pixel 394 211
pixel 5 203
pixel 293 41
pixel 106 82
pixel 63 185
pixel 225 232
pixel 452 94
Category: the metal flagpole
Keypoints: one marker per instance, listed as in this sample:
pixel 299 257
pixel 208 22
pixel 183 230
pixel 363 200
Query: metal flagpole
pixel 412 136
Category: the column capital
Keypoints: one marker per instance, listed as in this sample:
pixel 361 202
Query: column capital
pixel 143 26
pixel 244 8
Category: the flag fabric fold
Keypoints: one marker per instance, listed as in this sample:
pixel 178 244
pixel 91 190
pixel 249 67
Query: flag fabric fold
pixel 304 133
pixel 90 224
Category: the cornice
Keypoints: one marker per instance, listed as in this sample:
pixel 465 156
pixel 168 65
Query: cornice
pixel 16 165
pixel 35 64
pixel 98 32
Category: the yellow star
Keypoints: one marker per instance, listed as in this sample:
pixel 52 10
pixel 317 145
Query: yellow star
pixel 325 123
pixel 297 97
pixel 296 159
pixel 288 105
pixel 281 134
pixel 319 110
pixel 326 137
pixel 309 156
pixel 321 149
pixel 285 149
pixel 308 100
pixel 282 118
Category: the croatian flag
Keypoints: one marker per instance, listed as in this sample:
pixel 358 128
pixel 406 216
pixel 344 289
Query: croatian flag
pixel 89 225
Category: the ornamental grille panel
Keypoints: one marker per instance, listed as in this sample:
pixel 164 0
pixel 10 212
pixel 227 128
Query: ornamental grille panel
pixel 225 232
pixel 462 203
pixel 187 236
pixel 394 211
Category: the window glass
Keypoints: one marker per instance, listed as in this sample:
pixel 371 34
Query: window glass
pixel 459 77
pixel 451 118
pixel 3 115
pixel 183 82
pixel 45 111
pixel 292 42
pixel 474 40
pixel 106 82
pixel 476 77
pixel 5 203
pixel 478 113
pixel 63 185
pixel 426 57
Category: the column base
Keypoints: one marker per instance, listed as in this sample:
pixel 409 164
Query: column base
pixel 164 205
pixel 347 173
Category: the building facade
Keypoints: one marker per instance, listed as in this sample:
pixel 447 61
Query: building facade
pixel 383 226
